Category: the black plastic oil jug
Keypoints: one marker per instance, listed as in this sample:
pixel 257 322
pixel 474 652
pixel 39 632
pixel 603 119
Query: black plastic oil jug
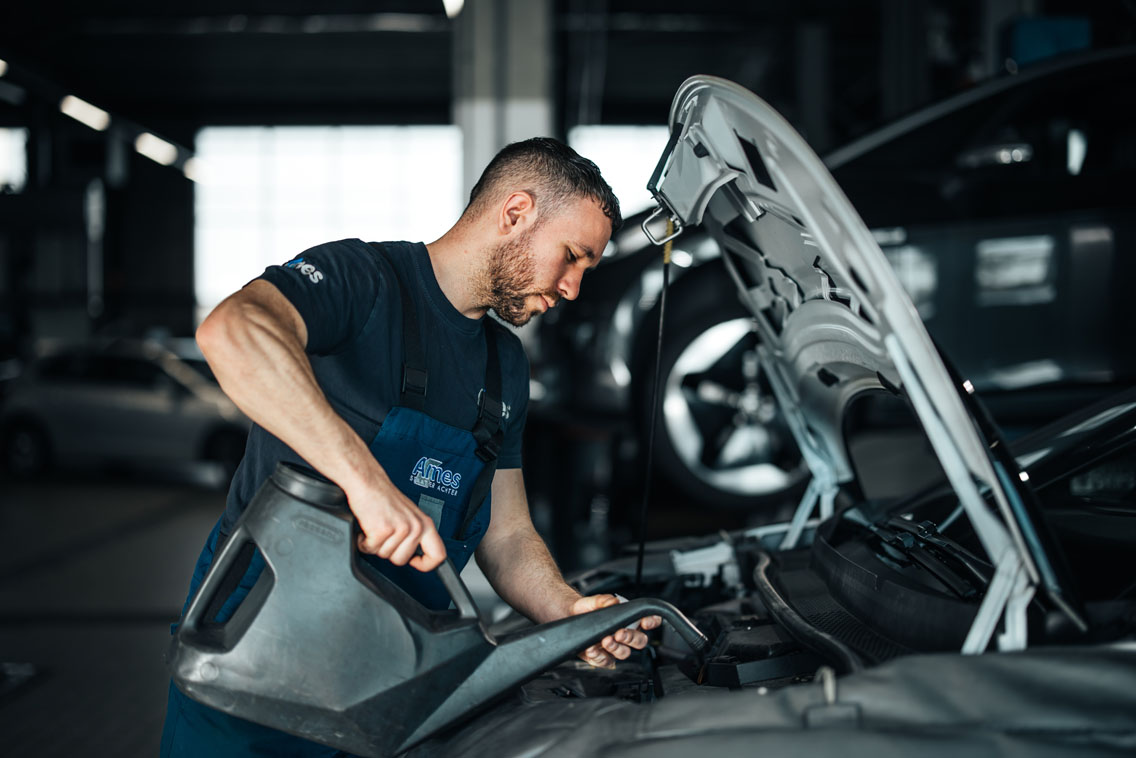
pixel 327 650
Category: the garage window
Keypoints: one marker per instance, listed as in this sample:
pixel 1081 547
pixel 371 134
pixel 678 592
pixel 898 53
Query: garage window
pixel 626 156
pixel 266 194
pixel 13 159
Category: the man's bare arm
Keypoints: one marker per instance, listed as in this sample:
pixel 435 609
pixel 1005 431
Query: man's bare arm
pixel 515 559
pixel 254 342
pixel 517 563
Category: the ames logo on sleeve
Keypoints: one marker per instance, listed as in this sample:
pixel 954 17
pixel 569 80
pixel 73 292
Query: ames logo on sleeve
pixel 307 269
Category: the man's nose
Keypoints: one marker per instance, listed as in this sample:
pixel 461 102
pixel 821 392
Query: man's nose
pixel 569 286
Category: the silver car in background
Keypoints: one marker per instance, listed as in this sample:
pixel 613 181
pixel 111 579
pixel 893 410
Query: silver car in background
pixel 121 401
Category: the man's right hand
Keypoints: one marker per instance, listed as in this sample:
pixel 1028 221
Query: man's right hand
pixel 394 527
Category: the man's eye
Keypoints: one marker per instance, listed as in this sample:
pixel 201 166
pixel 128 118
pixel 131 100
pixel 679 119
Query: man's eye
pixel 571 257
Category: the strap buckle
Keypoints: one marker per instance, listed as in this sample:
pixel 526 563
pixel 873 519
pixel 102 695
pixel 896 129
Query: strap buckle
pixel 414 380
pixel 489 407
pixel 489 449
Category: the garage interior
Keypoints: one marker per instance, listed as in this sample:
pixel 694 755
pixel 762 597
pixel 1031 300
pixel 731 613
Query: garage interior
pixel 115 123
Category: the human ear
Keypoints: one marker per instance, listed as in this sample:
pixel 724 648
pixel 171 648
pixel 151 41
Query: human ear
pixel 517 211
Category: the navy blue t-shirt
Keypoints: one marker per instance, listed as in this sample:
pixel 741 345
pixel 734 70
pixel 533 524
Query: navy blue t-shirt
pixel 348 296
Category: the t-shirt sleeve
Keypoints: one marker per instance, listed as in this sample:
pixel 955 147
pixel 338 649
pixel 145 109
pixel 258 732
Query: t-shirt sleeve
pixel 516 366
pixel 334 287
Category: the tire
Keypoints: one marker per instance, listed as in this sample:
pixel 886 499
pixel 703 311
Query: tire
pixel 720 438
pixel 26 449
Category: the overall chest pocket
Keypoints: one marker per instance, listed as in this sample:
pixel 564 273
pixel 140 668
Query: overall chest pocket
pixel 436 466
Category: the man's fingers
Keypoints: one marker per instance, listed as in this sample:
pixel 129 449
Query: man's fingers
pixel 616 646
pixel 399 539
pixel 405 548
pixel 603 601
pixel 617 649
pixel 619 644
pixel 388 546
pixel 593 603
pixel 596 656
pixel 631 638
pixel 404 551
pixel 433 550
pixel 372 541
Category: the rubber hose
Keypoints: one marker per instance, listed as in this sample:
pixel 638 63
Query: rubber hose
pixel 821 643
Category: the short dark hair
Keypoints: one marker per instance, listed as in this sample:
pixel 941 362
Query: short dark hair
pixel 551 172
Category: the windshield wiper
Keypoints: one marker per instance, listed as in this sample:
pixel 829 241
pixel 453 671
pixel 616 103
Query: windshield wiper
pixel 923 545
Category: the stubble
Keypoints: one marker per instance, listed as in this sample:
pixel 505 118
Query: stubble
pixel 509 279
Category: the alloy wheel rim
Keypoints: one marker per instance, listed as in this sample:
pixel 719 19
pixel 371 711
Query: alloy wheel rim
pixel 720 418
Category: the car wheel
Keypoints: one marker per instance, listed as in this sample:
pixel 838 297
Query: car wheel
pixel 720 438
pixel 27 451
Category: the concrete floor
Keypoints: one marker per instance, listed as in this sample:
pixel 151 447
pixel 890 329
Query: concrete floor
pixel 93 570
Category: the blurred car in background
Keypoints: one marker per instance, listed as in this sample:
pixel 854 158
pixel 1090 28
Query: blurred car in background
pixel 119 401
pixel 1006 213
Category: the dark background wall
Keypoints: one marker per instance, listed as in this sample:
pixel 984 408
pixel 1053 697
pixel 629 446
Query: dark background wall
pixel 833 68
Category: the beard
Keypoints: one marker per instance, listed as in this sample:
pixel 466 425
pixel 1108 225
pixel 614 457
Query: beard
pixel 509 281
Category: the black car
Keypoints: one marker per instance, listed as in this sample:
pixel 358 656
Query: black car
pixel 1007 214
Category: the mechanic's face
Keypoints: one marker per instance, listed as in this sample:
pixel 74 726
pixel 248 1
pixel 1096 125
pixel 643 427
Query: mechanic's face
pixel 529 272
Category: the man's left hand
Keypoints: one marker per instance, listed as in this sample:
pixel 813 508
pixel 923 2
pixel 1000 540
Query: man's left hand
pixel 617 645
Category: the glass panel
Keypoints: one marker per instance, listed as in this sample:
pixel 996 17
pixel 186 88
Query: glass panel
pixel 626 156
pixel 268 193
pixel 13 159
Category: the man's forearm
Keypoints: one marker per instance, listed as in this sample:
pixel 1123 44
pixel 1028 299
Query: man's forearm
pixel 261 364
pixel 522 571
pixel 517 563
pixel 255 342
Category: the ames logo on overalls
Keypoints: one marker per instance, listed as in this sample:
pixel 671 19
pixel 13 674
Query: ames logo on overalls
pixel 429 474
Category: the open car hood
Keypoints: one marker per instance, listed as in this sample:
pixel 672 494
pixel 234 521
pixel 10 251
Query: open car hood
pixel 834 321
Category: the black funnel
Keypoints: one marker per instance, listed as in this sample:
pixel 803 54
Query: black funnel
pixel 330 650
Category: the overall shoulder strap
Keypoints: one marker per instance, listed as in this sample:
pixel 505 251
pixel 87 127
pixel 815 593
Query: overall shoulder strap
pixel 414 373
pixel 487 431
pixel 489 406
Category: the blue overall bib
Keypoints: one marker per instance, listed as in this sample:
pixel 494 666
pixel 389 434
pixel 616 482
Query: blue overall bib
pixel 445 470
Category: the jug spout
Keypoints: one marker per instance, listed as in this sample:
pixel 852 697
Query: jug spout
pixel 521 656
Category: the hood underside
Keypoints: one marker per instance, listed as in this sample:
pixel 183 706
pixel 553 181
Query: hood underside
pixel 833 320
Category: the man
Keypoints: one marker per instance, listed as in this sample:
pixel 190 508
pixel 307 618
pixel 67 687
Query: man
pixel 376 366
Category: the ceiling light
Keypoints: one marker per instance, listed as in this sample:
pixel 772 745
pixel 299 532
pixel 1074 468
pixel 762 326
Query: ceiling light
pixel 192 169
pixel 156 149
pixel 453 7
pixel 85 113
pixel 3 66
